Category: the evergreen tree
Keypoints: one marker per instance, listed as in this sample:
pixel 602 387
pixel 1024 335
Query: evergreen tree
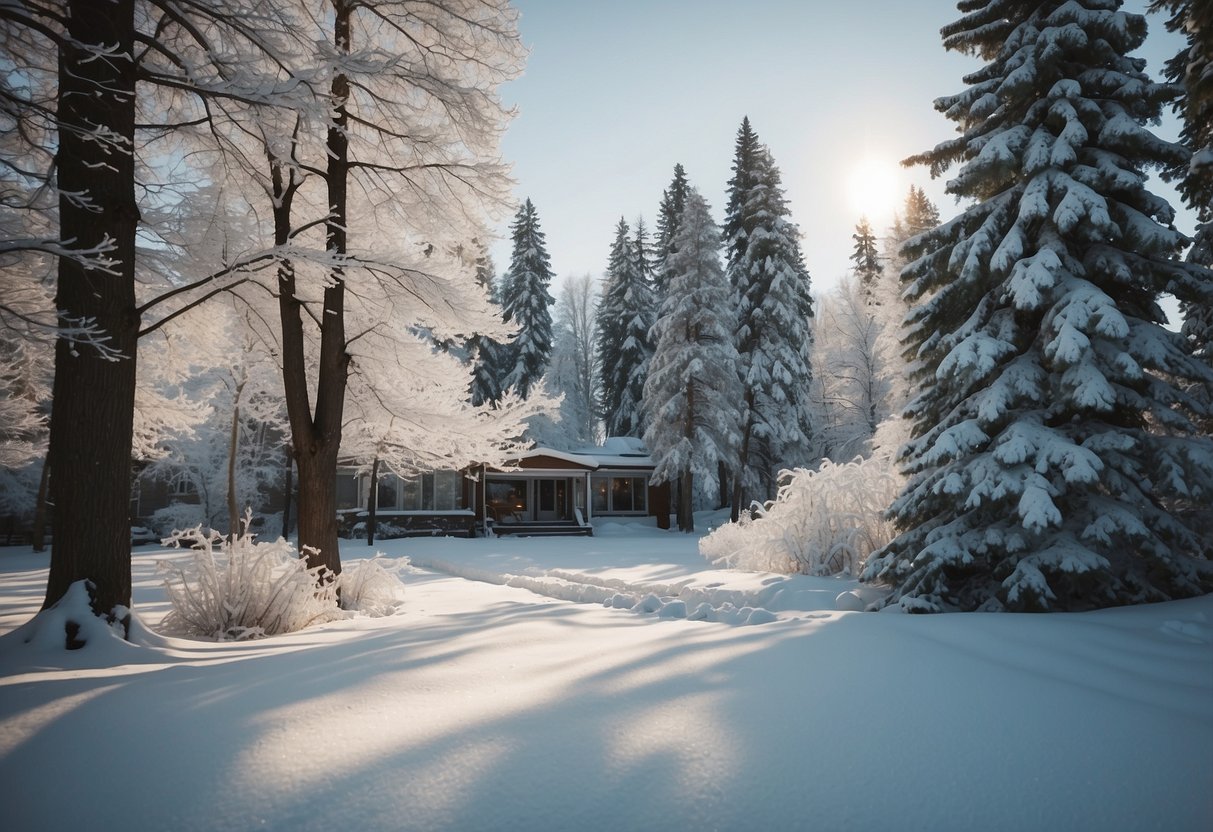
pixel 771 288
pixel 734 232
pixel 867 263
pixel 526 301
pixel 693 385
pixel 672 201
pixel 1054 454
pixel 921 213
pixel 625 316
pixel 485 353
pixel 1192 69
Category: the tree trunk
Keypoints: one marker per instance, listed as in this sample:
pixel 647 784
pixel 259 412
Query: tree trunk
pixel 686 514
pixel 233 507
pixel 286 500
pixel 38 532
pixel 93 414
pixel 316 438
pixel 743 462
pixel 722 480
pixel 372 503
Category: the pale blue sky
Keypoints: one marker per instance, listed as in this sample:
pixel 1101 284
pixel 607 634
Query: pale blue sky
pixel 615 93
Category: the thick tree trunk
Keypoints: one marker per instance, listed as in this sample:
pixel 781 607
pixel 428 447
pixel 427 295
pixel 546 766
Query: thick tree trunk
pixel 686 514
pixel 91 422
pixel 318 508
pixel 316 438
pixel 372 504
pixel 722 484
pixel 38 532
pixel 286 500
pixel 743 462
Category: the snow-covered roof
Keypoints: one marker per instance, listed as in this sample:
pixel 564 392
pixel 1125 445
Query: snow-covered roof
pixel 615 452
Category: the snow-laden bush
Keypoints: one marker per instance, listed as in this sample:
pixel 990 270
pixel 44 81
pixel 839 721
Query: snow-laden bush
pixel 822 522
pixel 241 589
pixel 368 587
pixel 165 521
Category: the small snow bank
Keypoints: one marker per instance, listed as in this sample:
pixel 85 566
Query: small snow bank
pixel 244 590
pixel 823 522
pixel 70 628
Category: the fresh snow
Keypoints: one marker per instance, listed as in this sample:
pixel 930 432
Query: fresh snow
pixel 597 683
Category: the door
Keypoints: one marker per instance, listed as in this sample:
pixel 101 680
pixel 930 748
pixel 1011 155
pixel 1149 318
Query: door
pixel 551 501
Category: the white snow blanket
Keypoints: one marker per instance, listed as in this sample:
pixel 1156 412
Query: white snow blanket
pixel 501 703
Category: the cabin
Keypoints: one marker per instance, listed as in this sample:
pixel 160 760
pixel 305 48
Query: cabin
pixel 546 491
pixel 542 492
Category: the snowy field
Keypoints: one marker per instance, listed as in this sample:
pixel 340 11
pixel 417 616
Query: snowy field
pixel 557 684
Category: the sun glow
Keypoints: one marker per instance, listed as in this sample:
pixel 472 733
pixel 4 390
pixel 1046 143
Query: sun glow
pixel 874 188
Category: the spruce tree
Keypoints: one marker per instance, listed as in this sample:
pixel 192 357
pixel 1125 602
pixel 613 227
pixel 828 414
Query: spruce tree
pixel 672 201
pixel 526 301
pixel 771 289
pixel 867 263
pixel 693 384
pixel 484 352
pixel 921 213
pixel 625 316
pixel 1054 455
pixel 1192 70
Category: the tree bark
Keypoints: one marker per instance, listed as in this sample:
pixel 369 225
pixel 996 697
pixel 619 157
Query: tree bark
pixel 233 507
pixel 92 420
pixel 316 437
pixel 286 500
pixel 372 503
pixel 686 514
pixel 743 462
pixel 38 532
pixel 722 484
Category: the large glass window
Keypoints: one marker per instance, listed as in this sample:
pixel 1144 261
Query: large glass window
pixel 347 491
pixel 410 494
pixel 619 495
pixel 446 490
pixel 601 487
pixel 639 493
pixel 385 493
pixel 506 499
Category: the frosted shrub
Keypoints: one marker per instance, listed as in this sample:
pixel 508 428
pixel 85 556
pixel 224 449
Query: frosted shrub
pixel 165 521
pixel 241 589
pixel 368 587
pixel 822 522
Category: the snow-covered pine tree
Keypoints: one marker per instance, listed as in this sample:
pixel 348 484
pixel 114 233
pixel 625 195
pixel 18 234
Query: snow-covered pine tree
pixel 1054 452
pixel 526 302
pixel 771 289
pixel 693 385
pixel 483 351
pixel 921 213
pixel 867 267
pixel 625 316
pixel 1192 69
pixel 673 199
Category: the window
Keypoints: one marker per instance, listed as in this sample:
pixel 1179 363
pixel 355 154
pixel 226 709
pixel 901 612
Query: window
pixel 619 495
pixel 446 490
pixel 601 486
pixel 506 498
pixel 347 491
pixel 385 493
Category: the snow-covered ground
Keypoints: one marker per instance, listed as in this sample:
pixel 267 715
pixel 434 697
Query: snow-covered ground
pixel 492 701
